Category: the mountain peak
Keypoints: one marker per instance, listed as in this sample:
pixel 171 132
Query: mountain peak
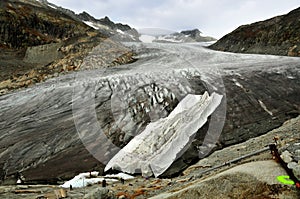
pixel 195 31
pixel 86 16
pixel 184 36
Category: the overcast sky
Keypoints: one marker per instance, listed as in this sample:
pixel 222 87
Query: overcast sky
pixel 212 17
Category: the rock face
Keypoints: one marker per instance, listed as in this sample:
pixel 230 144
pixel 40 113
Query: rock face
pixel 43 54
pixel 196 35
pixel 278 36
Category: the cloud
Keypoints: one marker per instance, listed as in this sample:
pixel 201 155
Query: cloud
pixel 213 17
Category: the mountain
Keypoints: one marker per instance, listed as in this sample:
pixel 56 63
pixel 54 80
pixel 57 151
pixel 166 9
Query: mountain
pixel 79 121
pixel 117 31
pixel 186 36
pixel 39 40
pixel 277 36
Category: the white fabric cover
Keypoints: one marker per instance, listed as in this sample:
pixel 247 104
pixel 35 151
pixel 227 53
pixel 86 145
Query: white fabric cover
pixel 157 147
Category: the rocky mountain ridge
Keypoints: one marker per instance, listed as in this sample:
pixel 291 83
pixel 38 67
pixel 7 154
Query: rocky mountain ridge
pixel 103 25
pixel 39 41
pixel 118 31
pixel 185 36
pixel 277 36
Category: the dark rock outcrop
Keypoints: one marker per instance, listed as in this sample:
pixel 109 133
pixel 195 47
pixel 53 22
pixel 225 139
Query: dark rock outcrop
pixel 277 36
pixel 196 35
pixel 184 37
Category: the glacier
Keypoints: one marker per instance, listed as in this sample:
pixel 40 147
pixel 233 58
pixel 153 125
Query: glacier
pixel 69 118
pixel 154 150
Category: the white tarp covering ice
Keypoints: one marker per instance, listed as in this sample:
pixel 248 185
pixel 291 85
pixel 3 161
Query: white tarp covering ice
pixel 85 179
pixel 123 176
pixel 155 149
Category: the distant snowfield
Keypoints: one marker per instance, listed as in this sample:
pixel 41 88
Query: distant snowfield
pixel 91 24
pixel 52 6
pixel 147 38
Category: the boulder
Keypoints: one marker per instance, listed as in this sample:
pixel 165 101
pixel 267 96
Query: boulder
pixel 97 193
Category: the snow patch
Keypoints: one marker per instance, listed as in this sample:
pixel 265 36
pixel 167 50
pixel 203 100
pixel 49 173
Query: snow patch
pixel 132 37
pixel 123 176
pixel 52 6
pixel 91 24
pixel 120 31
pixel 265 108
pixel 157 147
pixel 291 77
pixel 147 38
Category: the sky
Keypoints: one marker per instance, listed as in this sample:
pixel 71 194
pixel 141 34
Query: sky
pixel 212 17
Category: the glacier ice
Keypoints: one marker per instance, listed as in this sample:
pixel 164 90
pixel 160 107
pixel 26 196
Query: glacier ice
pixel 154 150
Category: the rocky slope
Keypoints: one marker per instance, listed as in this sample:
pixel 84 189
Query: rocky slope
pixel 278 36
pixel 31 24
pixel 39 41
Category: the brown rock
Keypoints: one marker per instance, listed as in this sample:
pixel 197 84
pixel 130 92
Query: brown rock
pixel 5 84
pixel 292 51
